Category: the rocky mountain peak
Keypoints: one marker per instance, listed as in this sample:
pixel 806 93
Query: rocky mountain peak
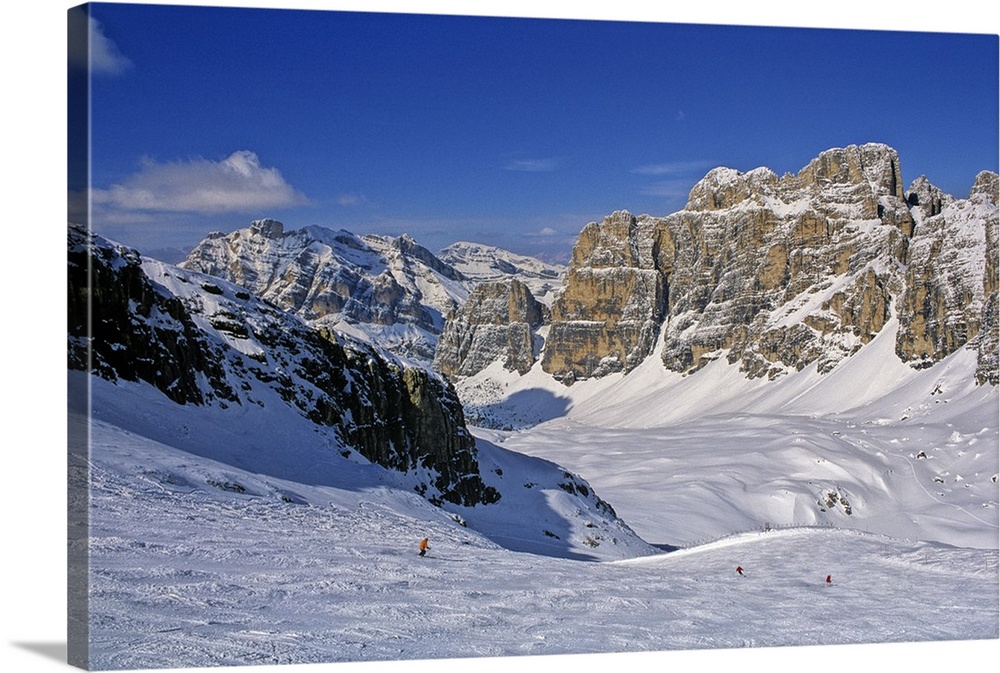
pixel 874 164
pixel 924 197
pixel 606 245
pixel 950 296
pixel 724 188
pixel 367 285
pixel 777 274
pixel 985 188
pixel 267 228
pixel 499 321
pixel 478 263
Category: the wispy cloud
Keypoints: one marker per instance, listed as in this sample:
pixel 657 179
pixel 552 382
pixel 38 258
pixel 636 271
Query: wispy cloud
pixel 533 165
pixel 679 168
pixel 97 52
pixel 544 232
pixel 351 200
pixel 237 184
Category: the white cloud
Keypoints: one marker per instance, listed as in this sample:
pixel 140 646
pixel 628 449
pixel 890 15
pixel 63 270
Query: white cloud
pixel 671 189
pixel 674 178
pixel 236 184
pixel 675 168
pixel 351 200
pixel 89 47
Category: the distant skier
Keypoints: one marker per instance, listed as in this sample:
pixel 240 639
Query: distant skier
pixel 739 570
pixel 829 581
pixel 424 546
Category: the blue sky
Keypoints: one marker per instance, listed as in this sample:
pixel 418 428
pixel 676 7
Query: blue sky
pixel 508 131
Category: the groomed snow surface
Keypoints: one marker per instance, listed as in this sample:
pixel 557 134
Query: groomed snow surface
pixel 882 477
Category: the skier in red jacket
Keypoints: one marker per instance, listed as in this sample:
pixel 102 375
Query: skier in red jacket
pixel 424 546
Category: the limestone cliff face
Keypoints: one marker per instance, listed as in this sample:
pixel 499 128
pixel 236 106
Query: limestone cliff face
pixel 499 320
pixel 950 299
pixel 779 273
pixel 607 317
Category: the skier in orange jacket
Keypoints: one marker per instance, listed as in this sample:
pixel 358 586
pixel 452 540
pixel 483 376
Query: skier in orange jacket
pixel 424 546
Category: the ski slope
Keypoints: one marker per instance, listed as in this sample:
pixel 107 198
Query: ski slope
pixel 202 557
pixel 232 536
pixel 190 575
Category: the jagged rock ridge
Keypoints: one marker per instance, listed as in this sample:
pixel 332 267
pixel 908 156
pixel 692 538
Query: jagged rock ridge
pixel 203 341
pixel 499 320
pixel 388 290
pixel 779 273
pixel 951 277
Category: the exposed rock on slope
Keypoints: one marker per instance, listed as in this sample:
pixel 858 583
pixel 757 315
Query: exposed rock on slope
pixel 785 272
pixel 388 290
pixel 777 274
pixel 204 341
pixel 499 320
pixel 951 277
pixel 607 317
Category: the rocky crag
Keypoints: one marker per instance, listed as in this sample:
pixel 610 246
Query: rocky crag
pixel 776 274
pixel 203 341
pixel 389 291
pixel 499 320
pixel 950 300
pixel 386 290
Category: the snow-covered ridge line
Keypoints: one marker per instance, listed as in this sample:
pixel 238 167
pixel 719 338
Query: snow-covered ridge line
pixel 388 290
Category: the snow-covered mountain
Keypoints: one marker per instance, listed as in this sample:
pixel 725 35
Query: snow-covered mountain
pixel 483 263
pixel 202 365
pixel 776 352
pixel 226 527
pixel 794 375
pixel 389 291
pixel 775 274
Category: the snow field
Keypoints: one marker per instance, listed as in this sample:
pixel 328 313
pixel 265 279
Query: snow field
pixel 186 574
